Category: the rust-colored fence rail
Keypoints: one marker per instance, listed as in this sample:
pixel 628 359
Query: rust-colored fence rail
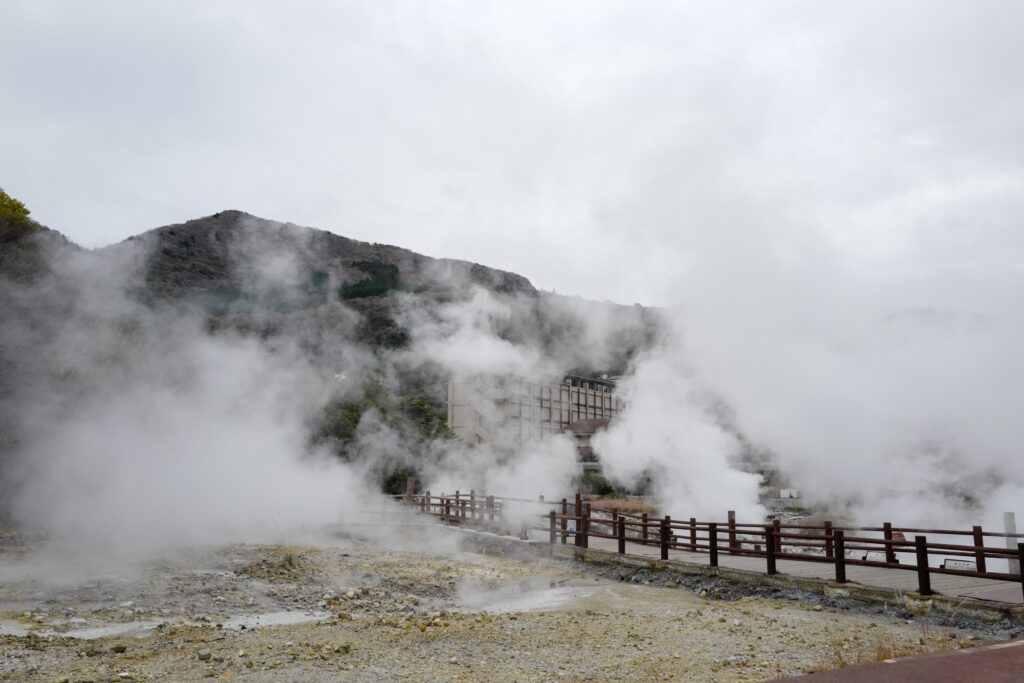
pixel 962 553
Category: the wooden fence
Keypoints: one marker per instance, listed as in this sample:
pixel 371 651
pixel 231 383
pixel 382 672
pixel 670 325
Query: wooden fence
pixel 885 546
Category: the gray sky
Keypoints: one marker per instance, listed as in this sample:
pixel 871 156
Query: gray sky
pixel 635 151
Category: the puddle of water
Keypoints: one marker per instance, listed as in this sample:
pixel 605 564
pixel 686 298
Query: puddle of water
pixel 549 599
pixel 540 595
pixel 533 595
pixel 134 629
pixel 12 628
pixel 250 621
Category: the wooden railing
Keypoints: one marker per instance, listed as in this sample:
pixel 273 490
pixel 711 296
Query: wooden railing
pixel 886 546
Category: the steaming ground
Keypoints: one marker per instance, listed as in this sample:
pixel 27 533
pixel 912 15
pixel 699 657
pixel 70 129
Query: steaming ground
pixel 339 608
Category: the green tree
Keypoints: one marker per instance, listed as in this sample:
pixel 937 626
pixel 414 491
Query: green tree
pixel 416 418
pixel 14 220
pixel 12 209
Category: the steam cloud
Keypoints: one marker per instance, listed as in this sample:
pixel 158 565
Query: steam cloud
pixel 140 426
pixel 872 410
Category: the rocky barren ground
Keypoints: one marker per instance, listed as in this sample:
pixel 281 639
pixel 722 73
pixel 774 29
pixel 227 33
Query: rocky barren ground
pixel 340 609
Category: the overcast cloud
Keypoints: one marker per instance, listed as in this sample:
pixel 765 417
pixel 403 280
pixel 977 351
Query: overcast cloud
pixel 635 151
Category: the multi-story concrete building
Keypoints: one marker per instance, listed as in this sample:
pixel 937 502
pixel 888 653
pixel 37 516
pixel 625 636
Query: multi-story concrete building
pixel 511 410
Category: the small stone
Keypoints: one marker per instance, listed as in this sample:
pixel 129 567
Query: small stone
pixel 119 649
pixel 453 660
pixel 204 655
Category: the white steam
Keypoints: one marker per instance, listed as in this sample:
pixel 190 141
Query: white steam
pixel 883 413
pixel 142 428
pixel 215 453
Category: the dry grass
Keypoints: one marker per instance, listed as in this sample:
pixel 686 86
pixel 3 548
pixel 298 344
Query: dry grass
pixel 843 655
pixel 631 505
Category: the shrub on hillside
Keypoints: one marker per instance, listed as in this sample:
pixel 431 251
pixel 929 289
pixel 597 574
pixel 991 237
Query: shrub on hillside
pixel 14 220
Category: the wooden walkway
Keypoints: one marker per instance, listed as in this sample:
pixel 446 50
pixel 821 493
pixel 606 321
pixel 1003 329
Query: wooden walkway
pixel 898 579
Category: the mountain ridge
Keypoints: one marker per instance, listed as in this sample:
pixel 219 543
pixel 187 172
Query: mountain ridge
pixel 201 247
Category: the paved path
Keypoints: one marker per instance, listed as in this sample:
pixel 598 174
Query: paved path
pixel 1003 663
pixel 900 579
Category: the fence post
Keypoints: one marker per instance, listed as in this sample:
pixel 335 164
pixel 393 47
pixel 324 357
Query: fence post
pixel 410 489
pixel 586 525
pixel 1020 560
pixel 693 534
pixel 472 503
pixel 829 549
pixel 840 551
pixel 924 581
pixel 490 508
pixel 621 532
pixel 769 546
pixel 777 535
pixel 713 543
pixel 565 522
pixel 665 530
pixel 643 529
pixel 1010 525
pixel 979 552
pixel 577 512
pixel 447 510
pixel 551 527
pixel 732 531
pixel 890 551
pixel 462 512
pixel 426 505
